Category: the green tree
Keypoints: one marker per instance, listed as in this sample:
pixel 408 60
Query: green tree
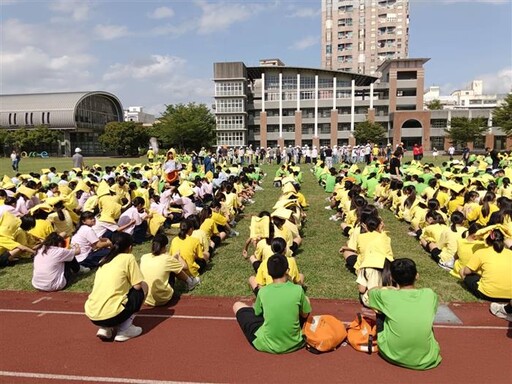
pixel 502 116
pixel 19 139
pixel 434 105
pixel 464 130
pixel 124 138
pixel 368 131
pixel 42 138
pixel 186 127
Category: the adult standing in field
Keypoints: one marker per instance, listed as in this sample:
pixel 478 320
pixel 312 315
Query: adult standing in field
pixel 78 159
pixel 451 152
pixel 150 155
pixel 14 161
pixel 394 165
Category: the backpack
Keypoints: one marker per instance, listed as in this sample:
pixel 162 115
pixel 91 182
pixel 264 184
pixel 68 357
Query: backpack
pixel 362 334
pixel 323 333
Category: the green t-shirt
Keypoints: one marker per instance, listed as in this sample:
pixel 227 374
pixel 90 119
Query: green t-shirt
pixel 407 339
pixel 330 182
pixel 281 305
pixel 370 185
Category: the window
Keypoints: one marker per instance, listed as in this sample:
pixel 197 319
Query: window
pixel 308 129
pixel 271 82
pixel 437 142
pixel 229 88
pixel 325 83
pixel 307 82
pixel 230 122
pixel 227 105
pixel 345 22
pixel 307 95
pixel 328 49
pixel 324 128
pixel 230 138
pixel 272 128
pixel 288 127
pixel 438 123
pixel 343 126
pixel 289 82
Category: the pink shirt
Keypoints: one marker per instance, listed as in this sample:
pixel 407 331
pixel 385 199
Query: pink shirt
pixel 49 268
pixel 85 238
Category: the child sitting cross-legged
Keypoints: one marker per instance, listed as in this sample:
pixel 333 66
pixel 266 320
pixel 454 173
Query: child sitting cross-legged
pixel 273 324
pixel 405 319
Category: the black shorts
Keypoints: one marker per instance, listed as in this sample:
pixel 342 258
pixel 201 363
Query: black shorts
pixel 249 322
pixel 135 300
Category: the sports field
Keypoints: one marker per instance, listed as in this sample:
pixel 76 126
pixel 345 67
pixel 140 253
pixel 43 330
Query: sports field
pixel 318 258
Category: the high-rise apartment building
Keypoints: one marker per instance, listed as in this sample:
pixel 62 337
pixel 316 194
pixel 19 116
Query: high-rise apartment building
pixel 359 35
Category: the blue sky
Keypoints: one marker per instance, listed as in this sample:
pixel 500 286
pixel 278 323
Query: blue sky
pixel 152 53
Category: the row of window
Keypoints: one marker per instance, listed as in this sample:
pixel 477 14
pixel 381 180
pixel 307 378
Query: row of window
pixel 229 88
pixel 14 118
pixel 230 138
pixel 230 122
pixel 229 105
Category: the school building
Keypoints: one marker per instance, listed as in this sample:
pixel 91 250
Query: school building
pixel 274 104
pixel 80 116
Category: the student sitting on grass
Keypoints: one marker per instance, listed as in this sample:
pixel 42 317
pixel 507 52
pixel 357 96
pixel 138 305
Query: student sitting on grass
pixel 118 292
pixel 160 270
pixel 54 264
pixel 487 273
pixel 274 323
pixel 189 248
pixel 405 319
pixel 263 278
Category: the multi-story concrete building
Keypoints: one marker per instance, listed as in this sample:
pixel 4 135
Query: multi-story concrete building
pixel 138 115
pixel 274 104
pixel 359 35
pixel 472 97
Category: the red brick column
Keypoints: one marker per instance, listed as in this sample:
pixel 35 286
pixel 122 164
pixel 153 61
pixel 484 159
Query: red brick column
pixel 334 127
pixel 298 128
pixel 263 129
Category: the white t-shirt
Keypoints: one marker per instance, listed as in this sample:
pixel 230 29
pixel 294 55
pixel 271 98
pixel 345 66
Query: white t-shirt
pixel 101 227
pixel 85 238
pixel 48 272
pixel 131 214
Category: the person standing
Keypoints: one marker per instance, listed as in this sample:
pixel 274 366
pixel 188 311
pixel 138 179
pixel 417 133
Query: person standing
pixel 150 155
pixel 14 161
pixel 78 159
pixel 451 152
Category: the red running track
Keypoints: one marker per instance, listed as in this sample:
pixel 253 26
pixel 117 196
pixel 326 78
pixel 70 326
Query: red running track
pixel 46 338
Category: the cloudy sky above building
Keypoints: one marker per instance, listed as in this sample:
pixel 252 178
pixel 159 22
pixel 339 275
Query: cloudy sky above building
pixel 152 53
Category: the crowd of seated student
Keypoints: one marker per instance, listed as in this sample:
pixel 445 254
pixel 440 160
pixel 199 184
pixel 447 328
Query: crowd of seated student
pixel 457 213
pixel 68 222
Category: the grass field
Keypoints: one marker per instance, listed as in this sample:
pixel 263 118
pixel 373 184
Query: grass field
pixel 318 259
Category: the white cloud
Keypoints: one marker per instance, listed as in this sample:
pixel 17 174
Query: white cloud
pixel 154 67
pixel 304 12
pixel 110 32
pixel 77 9
pixel 161 13
pixel 500 82
pixel 304 43
pixel 31 69
pixel 220 16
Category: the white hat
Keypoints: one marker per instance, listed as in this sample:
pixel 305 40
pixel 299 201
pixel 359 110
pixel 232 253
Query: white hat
pixel 78 150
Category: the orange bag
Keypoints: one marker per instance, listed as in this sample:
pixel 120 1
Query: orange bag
pixel 323 333
pixel 362 334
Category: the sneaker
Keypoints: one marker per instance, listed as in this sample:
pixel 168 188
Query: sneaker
pixel 193 282
pixel 234 234
pixel 446 265
pixel 498 310
pixel 84 269
pixel 412 233
pixel 129 333
pixel 328 207
pixel 104 333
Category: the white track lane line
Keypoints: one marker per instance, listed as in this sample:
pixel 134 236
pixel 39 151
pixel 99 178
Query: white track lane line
pixel 224 318
pixel 95 379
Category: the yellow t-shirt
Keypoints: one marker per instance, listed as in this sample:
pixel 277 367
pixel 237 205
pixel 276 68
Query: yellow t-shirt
pixel 496 278
pixel 263 250
pixel 465 250
pixel 433 232
pixel 65 225
pixel 111 285
pixel 190 249
pixel 42 229
pixel 156 270
pixel 209 227
pixel 201 235
pixel 483 220
pixel 284 233
pixel 219 219
pixel 263 278
pixel 373 248
pixel 448 243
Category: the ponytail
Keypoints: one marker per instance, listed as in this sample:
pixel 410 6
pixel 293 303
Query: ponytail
pixel 496 239
pixel 185 226
pixel 121 242
pixel 160 241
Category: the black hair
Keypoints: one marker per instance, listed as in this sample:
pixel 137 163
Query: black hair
pixel 278 221
pixel 58 207
pixel 457 218
pixel 53 240
pixel 372 223
pixel 84 216
pixel 403 271
pixel 278 245
pixel 185 226
pixel 496 239
pixel 159 243
pixel 27 222
pixel 473 228
pixel 121 243
pixel 486 207
pixel 277 266
pixel 138 201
